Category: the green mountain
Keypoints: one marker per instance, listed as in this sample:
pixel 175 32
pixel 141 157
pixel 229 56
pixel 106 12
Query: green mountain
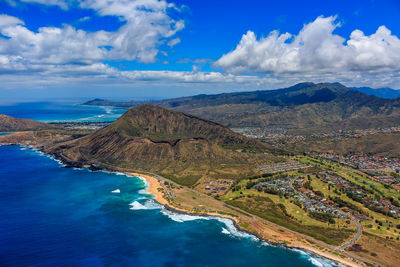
pixel 176 145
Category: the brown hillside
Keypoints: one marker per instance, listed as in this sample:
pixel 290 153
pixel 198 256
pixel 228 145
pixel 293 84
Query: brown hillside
pixel 10 124
pixel 179 146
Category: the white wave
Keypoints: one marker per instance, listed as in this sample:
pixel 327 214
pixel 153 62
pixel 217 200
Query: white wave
pixel 229 229
pixel 151 204
pixel 56 160
pixel 265 243
pixel 143 191
pixel 108 110
pixel 137 206
pixel 225 231
pixel 148 205
pixel 116 191
pixel 322 262
pixel 232 230
pixel 317 260
pixel 180 217
pixel 146 185
pixel 145 182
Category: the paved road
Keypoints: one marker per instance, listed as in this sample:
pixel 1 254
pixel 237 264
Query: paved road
pixel 356 237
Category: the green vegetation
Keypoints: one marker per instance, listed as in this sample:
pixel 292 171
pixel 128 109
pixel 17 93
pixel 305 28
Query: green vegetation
pixel 265 208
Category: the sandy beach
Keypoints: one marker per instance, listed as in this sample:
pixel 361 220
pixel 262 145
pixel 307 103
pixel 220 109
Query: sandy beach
pixel 156 189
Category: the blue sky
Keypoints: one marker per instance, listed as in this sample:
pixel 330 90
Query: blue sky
pixel 148 48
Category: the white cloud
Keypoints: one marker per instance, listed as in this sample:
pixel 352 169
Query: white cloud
pixel 9 21
pixel 61 3
pixel 174 42
pixel 146 26
pixel 69 57
pixel 314 51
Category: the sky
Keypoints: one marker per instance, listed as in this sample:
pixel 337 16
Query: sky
pixel 134 49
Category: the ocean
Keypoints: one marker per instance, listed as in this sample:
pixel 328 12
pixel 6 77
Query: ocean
pixel 60 112
pixel 56 216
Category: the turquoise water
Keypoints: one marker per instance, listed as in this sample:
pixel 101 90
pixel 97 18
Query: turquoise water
pixel 59 112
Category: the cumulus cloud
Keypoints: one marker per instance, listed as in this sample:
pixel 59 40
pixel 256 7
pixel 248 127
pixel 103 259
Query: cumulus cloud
pixel 315 50
pixel 146 25
pixel 61 56
pixel 9 21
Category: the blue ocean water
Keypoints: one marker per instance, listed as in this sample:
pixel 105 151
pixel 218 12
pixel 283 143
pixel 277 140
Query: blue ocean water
pixel 59 112
pixel 55 216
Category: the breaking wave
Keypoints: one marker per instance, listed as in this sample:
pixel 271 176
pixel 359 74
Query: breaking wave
pixel 181 217
pixel 232 230
pixel 316 260
pixel 149 204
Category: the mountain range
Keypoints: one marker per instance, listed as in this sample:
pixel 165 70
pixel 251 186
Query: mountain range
pixel 379 92
pixel 302 108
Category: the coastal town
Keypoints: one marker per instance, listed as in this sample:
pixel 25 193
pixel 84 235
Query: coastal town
pixel 281 135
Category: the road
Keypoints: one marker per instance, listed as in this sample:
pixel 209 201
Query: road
pixel 356 237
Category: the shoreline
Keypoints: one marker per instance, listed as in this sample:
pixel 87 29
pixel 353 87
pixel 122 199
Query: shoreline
pixel 156 189
pixel 154 186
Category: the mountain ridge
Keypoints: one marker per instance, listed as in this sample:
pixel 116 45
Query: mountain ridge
pixel 302 108
pixel 11 124
pixel 385 92
pixel 192 148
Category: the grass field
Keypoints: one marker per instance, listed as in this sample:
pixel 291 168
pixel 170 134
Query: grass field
pixel 379 249
pixel 265 208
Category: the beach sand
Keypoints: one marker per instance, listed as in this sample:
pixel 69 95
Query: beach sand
pixel 154 187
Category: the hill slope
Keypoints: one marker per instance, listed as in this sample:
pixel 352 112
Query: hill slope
pixel 178 146
pixel 11 124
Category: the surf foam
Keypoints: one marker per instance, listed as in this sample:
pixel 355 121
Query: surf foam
pixel 150 204
pixel 317 260
pixel 232 230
